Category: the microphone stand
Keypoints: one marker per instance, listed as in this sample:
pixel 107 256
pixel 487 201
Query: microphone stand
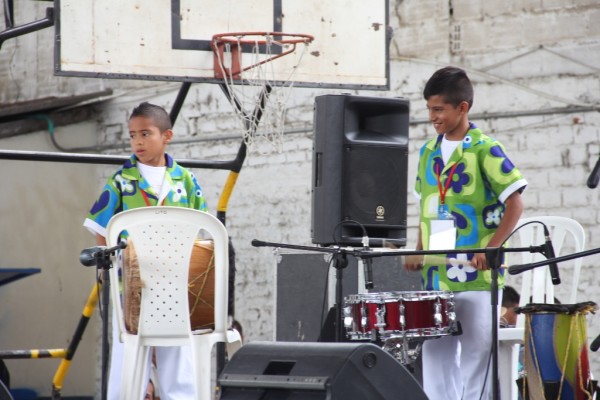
pixel 340 261
pixel 517 269
pixel 103 264
pixel 494 256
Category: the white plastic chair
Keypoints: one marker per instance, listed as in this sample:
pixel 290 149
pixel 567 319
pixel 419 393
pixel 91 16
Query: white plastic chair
pixel 164 237
pixel 536 286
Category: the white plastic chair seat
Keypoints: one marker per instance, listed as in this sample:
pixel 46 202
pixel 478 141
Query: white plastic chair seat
pixel 164 237
pixel 514 334
pixel 536 286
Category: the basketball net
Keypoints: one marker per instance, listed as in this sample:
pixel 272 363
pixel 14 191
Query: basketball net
pixel 258 98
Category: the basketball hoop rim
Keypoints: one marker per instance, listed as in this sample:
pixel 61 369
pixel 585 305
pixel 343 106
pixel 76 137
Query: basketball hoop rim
pixel 286 38
pixel 229 67
pixel 235 41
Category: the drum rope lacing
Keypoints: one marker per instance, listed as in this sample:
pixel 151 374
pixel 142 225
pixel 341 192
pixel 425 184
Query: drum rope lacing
pixel 205 275
pixel 575 326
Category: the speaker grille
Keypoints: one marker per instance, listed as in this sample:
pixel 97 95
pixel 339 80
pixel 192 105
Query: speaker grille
pixel 375 185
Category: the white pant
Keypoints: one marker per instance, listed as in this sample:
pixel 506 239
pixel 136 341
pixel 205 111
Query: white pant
pixel 456 367
pixel 174 366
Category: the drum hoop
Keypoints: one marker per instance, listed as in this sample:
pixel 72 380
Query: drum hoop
pixel 389 297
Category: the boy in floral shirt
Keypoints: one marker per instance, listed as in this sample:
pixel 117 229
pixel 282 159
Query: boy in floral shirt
pixel 150 177
pixel 465 180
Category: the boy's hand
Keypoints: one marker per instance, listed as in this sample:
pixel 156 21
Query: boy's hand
pixel 413 263
pixel 479 261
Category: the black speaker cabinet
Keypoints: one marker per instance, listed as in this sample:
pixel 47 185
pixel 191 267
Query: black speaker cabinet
pixel 307 371
pixel 360 157
pixel 302 310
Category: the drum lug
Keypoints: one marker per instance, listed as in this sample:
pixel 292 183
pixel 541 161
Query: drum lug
pixel 348 320
pixel 437 315
pixel 402 319
pixel 451 313
pixel 364 320
pixel 380 316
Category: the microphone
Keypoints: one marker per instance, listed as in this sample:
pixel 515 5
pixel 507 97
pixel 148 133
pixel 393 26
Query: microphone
pixel 367 264
pixel 518 268
pixel 595 344
pixel 87 257
pixel 594 177
pixel 549 253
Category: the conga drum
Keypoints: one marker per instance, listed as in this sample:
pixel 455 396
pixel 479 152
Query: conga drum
pixel 556 360
pixel 201 286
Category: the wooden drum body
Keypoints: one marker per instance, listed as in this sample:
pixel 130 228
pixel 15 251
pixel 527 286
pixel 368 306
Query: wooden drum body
pixel 201 286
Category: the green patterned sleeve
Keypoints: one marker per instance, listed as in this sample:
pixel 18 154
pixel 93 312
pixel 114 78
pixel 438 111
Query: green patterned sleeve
pixel 503 177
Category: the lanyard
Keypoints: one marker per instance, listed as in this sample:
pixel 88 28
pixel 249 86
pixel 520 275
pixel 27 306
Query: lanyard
pixel 448 180
pixel 148 200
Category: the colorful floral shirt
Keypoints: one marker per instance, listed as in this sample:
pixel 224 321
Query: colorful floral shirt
pixel 127 189
pixel 483 179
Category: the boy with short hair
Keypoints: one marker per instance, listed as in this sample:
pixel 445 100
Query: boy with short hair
pixel 150 177
pixel 467 186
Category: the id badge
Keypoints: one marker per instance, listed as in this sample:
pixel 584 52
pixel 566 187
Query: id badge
pixel 443 230
pixel 444 212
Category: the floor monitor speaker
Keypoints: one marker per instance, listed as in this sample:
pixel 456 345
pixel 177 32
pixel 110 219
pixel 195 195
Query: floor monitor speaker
pixel 310 371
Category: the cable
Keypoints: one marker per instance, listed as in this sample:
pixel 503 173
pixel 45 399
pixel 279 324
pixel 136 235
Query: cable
pixel 347 221
pixel 525 224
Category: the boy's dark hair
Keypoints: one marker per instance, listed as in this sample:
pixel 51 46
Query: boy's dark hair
pixel 510 296
pixel 452 83
pixel 158 114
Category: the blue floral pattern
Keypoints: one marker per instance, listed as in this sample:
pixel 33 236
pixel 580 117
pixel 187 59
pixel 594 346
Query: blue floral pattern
pixel 507 165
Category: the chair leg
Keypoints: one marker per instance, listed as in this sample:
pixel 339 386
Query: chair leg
pixel 508 358
pixel 135 362
pixel 205 365
pixel 234 342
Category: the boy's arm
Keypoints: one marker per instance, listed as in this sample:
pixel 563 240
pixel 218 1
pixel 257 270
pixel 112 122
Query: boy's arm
pixel 512 213
pixel 100 240
pixel 414 263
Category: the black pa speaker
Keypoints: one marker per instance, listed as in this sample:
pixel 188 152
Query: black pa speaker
pixel 310 371
pixel 360 157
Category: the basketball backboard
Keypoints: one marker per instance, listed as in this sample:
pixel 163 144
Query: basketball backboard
pixel 170 40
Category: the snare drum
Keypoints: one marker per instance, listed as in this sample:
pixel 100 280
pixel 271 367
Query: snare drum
pixel 201 286
pixel 399 314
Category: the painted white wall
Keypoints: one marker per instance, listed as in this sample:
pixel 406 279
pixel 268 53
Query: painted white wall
pixel 271 200
pixel 42 205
